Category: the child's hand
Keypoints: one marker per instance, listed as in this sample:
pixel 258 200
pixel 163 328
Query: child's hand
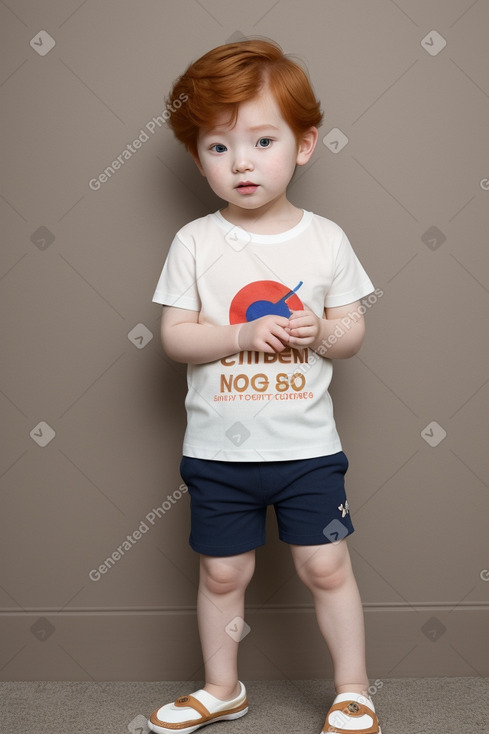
pixel 303 328
pixel 266 334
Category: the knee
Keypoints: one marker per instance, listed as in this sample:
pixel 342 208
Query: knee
pixel 323 574
pixel 221 576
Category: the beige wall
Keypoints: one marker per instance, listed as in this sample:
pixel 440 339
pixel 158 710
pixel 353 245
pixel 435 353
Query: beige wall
pixel 79 267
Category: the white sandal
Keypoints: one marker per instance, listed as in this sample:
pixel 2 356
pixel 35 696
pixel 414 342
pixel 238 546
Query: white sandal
pixel 189 713
pixel 351 713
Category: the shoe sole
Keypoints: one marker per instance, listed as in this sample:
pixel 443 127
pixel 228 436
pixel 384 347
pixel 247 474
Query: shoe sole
pixel 190 729
pixel 353 731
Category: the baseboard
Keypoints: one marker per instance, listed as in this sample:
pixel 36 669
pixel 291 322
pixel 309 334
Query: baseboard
pixel 281 643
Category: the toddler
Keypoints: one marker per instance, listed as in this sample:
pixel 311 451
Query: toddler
pixel 258 298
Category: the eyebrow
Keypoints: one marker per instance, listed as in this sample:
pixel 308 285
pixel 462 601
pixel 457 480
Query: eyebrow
pixel 265 126
pixel 254 128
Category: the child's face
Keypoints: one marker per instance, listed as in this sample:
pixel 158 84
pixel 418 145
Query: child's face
pixel 260 150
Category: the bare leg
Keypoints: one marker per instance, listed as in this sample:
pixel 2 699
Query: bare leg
pixel 222 587
pixel 326 571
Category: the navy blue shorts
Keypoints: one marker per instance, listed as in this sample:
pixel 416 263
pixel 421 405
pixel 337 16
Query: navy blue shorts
pixel 229 499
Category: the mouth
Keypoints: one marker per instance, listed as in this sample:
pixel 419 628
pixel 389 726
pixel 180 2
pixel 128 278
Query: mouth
pixel 246 187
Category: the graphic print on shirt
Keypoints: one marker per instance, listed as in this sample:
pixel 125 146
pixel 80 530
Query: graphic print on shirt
pixel 269 381
pixel 264 297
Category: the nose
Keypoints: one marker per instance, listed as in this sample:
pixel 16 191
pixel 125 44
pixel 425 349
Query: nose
pixel 242 162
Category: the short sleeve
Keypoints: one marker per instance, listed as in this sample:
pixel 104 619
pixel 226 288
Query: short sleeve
pixel 350 281
pixel 177 285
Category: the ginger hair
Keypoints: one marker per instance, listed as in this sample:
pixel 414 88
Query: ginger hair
pixel 233 73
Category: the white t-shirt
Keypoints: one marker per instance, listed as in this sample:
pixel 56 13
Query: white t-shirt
pixel 254 406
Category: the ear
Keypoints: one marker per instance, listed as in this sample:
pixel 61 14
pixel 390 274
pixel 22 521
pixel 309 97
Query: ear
pixel 307 143
pixel 198 163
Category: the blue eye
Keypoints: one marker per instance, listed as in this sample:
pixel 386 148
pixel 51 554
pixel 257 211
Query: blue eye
pixel 219 148
pixel 264 143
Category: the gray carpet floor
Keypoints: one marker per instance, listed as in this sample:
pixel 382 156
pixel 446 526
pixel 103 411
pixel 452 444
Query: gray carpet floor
pixel 404 705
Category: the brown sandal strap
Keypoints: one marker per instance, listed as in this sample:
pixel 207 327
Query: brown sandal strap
pixel 353 709
pixel 193 703
pixel 184 701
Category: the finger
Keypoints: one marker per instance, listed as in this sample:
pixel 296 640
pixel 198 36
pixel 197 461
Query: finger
pixel 295 325
pixel 282 332
pixel 296 315
pixel 280 321
pixel 301 329
pixel 307 315
pixel 276 344
pixel 301 341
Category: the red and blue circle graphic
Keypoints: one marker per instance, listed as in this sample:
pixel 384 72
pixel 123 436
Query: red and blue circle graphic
pixel 262 298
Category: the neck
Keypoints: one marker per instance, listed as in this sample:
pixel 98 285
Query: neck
pixel 272 218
